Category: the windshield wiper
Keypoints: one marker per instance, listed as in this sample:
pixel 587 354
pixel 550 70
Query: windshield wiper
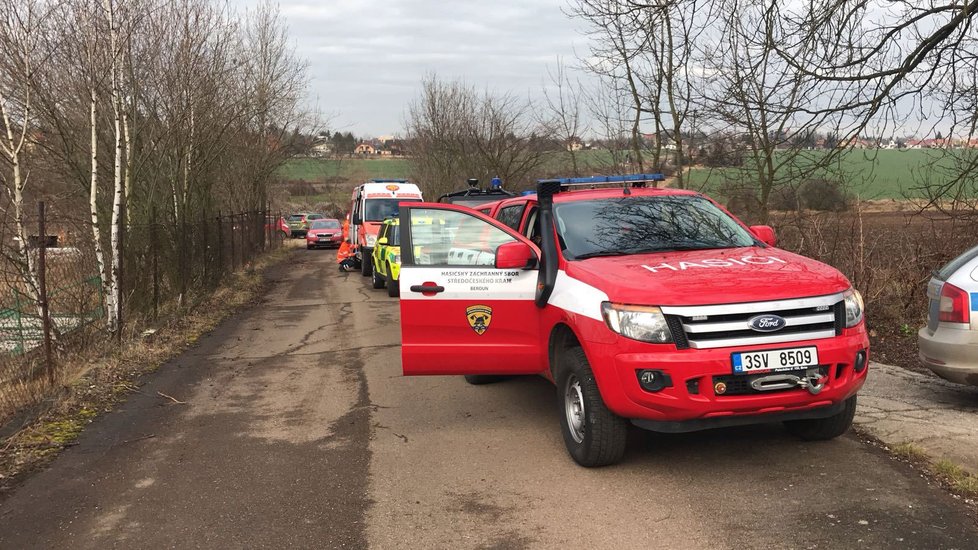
pixel 647 250
pixel 599 253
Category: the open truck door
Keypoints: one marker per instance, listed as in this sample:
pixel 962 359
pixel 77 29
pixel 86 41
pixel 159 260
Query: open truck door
pixel 467 294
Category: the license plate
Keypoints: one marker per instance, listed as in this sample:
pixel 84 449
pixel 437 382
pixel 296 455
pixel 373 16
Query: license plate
pixel 750 362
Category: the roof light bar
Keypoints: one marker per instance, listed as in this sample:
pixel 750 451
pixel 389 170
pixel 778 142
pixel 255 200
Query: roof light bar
pixel 623 179
pixel 386 180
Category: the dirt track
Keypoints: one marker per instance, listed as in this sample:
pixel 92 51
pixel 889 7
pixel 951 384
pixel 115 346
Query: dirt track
pixel 298 431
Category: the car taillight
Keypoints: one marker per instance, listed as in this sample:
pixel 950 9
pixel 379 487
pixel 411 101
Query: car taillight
pixel 954 305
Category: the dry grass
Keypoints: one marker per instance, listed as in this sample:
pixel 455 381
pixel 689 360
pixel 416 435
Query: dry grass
pixel 92 382
pixel 910 451
pixel 956 477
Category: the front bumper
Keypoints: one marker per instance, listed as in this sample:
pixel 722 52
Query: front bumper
pixel 692 395
pixel 951 353
pixel 314 240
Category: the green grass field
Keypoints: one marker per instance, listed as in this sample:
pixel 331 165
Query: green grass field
pixel 871 174
pixel 317 169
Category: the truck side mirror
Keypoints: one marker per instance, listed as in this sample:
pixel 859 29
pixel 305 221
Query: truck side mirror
pixel 765 234
pixel 357 220
pixel 514 255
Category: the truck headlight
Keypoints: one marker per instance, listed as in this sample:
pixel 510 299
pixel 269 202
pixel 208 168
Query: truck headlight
pixel 396 259
pixel 854 307
pixel 644 323
pixel 371 241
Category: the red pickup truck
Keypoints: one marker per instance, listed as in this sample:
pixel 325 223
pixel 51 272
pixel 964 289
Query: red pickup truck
pixel 645 306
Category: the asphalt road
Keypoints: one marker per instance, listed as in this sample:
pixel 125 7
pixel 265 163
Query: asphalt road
pixel 298 431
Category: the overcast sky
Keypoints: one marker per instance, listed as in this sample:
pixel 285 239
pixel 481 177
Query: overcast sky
pixel 367 57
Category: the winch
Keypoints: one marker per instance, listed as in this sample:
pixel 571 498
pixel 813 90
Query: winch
pixel 813 381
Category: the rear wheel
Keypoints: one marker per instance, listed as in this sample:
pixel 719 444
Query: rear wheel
pixel 594 435
pixel 376 281
pixel 821 429
pixel 393 287
pixel 365 267
pixel 309 247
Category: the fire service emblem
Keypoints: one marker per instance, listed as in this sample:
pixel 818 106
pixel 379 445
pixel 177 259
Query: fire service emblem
pixel 479 318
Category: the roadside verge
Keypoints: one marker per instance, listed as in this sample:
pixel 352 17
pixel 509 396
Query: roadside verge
pixel 96 386
pixel 924 419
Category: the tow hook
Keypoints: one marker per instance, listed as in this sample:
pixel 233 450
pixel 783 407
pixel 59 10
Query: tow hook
pixel 813 381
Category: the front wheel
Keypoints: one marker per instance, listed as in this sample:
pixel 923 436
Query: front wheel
pixel 375 280
pixel 821 429
pixel 365 267
pixel 393 287
pixel 594 435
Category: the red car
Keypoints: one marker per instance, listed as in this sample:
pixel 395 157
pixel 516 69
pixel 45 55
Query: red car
pixel 327 233
pixel 644 306
pixel 277 224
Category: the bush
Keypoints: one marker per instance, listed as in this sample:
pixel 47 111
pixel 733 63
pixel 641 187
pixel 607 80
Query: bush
pixel 815 194
pixel 784 198
pixel 823 195
pixel 301 188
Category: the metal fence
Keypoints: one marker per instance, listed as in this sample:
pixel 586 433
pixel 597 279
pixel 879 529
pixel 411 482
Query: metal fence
pixel 166 266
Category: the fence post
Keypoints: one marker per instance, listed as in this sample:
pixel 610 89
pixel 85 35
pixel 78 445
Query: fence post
pixel 220 246
pixel 43 291
pixel 155 247
pixel 20 319
pixel 234 250
pixel 119 310
pixel 182 257
pixel 243 224
pixel 206 257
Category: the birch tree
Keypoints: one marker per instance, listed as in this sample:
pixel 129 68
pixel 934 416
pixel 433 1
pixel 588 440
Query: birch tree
pixel 22 40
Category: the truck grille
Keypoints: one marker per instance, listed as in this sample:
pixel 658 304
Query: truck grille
pixel 704 327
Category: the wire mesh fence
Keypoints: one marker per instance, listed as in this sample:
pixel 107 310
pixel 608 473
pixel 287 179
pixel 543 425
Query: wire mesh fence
pixel 53 292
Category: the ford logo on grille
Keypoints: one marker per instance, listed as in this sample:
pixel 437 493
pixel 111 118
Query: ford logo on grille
pixel 766 323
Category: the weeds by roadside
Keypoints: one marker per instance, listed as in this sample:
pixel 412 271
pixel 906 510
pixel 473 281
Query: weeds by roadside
pixel 94 383
pixel 946 472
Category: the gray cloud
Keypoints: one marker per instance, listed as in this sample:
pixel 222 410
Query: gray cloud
pixel 367 57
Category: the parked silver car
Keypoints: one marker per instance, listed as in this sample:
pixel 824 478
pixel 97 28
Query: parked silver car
pixel 949 343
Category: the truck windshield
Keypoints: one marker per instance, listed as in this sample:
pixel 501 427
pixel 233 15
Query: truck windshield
pixel 636 225
pixel 376 210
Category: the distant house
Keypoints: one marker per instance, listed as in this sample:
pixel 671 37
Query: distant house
pixel 365 149
pixel 574 144
pixel 322 149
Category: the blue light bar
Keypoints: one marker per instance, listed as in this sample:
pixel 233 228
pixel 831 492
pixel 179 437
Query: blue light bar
pixel 388 180
pixel 594 180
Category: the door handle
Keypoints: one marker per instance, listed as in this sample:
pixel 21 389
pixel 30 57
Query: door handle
pixel 427 289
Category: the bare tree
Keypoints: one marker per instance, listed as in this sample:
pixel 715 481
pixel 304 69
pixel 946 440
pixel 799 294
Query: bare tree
pixel 456 133
pixel 564 119
pixel 22 40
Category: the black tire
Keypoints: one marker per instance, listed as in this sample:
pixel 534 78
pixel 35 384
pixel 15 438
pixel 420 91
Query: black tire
pixel 365 267
pixel 309 247
pixel 600 438
pixel 393 287
pixel 482 379
pixel 822 429
pixel 375 279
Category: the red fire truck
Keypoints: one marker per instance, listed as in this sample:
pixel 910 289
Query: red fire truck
pixel 645 306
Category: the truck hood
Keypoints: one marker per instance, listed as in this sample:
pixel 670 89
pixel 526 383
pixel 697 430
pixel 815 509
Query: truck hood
pixel 704 277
